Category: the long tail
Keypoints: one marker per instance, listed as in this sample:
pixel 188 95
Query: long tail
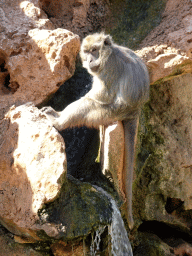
pixel 130 129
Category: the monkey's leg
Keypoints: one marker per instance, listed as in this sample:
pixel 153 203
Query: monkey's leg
pixel 84 111
pixel 102 141
pixel 130 130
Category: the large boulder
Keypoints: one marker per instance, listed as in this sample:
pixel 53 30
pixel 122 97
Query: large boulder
pixel 37 200
pixel 35 58
pixel 112 155
pixel 32 168
pixel 165 154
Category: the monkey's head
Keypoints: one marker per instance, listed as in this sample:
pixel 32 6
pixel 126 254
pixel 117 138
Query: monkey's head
pixel 95 50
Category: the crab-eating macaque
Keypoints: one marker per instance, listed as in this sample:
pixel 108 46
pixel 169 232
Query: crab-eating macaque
pixel 120 87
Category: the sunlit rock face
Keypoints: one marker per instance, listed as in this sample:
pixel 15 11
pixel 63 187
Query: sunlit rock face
pixel 170 43
pixel 112 155
pixel 32 168
pixel 35 58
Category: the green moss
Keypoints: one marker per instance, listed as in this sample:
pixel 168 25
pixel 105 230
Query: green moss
pixel 133 20
pixel 151 245
pixel 152 168
pixel 149 163
pixel 80 208
pixel 149 154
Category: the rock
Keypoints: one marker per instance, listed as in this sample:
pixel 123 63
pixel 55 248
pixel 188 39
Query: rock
pixel 37 202
pixel 152 245
pixel 169 44
pixel 112 155
pixel 72 13
pixel 35 58
pixel 61 248
pixel 32 168
pixel 10 248
pixel 164 64
pixel 183 249
pixel 80 16
pixel 79 210
pixel 162 191
pixel 166 51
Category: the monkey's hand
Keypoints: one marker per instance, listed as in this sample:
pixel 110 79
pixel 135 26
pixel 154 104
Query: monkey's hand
pixel 52 115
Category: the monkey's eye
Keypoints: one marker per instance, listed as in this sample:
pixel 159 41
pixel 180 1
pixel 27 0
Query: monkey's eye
pixel 94 49
pixel 107 41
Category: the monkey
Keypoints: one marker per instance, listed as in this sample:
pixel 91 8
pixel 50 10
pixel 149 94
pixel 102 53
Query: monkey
pixel 120 87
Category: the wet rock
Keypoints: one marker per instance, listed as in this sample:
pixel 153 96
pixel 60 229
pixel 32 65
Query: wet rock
pixel 152 245
pixel 79 209
pixel 38 202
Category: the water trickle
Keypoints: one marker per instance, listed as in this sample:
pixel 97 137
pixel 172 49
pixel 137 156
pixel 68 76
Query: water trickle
pixel 120 245
pixel 95 244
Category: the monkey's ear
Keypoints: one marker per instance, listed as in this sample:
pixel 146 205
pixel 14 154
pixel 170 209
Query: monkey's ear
pixel 107 40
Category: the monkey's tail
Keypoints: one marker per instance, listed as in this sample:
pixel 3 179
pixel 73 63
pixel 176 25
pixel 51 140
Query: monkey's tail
pixel 130 130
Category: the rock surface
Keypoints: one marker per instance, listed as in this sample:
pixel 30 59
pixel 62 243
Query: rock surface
pixel 170 121
pixel 33 168
pixel 112 155
pixel 162 188
pixel 10 248
pixel 81 17
pixel 35 58
pixel 170 43
pixel 37 202
pixel 61 248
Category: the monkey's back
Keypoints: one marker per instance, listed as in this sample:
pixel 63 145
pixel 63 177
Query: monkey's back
pixel 133 77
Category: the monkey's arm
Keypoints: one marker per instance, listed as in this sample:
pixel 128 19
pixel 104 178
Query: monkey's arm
pixel 130 129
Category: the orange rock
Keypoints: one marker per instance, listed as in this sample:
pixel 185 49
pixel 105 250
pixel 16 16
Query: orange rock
pixel 169 44
pixel 35 58
pixel 32 169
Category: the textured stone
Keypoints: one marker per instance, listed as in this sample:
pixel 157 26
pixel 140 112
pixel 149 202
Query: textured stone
pixel 32 168
pixel 35 58
pixel 183 249
pixel 10 248
pixel 162 190
pixel 169 44
pixel 61 248
pixel 112 155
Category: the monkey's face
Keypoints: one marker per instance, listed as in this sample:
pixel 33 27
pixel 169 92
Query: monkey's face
pixel 91 60
pixel 95 50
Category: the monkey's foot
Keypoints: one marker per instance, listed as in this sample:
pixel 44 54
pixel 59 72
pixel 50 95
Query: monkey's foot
pixel 52 115
pixel 50 111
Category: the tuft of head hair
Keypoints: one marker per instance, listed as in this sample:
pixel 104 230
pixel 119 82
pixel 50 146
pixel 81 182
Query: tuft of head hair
pixel 96 38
